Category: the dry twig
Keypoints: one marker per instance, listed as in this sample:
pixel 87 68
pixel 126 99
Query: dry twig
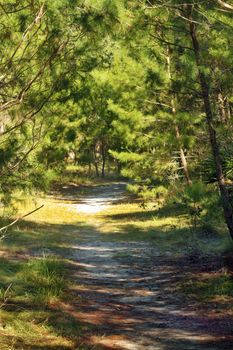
pixel 5 228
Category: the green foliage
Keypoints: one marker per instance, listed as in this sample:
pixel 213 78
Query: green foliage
pixel 101 85
pixel 155 194
pixel 133 188
pixel 199 200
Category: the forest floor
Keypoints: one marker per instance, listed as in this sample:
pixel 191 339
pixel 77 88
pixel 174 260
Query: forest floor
pixel 136 279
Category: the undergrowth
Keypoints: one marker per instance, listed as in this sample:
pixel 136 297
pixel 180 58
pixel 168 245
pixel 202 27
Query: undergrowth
pixel 43 279
pixel 211 287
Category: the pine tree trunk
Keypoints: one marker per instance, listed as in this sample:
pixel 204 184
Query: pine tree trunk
pixel 97 158
pixel 96 162
pixel 89 169
pixel 119 167
pixel 103 158
pixel 228 109
pixel 183 159
pixel 96 169
pixel 227 207
pixel 222 108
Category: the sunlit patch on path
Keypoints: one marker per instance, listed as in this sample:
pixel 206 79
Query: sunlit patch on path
pixel 99 199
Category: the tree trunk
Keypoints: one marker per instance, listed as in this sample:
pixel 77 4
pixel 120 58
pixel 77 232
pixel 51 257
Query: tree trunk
pixel 228 109
pixel 103 158
pixel 223 113
pixel 227 207
pixel 97 169
pixel 97 157
pixel 89 169
pixel 96 161
pixel 119 167
pixel 183 159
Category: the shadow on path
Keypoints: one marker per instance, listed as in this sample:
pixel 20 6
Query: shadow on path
pixel 127 293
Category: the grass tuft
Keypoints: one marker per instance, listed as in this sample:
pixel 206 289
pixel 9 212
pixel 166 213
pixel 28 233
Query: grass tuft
pixel 43 279
pixel 210 288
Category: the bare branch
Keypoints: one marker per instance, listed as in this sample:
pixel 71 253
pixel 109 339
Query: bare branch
pixel 41 70
pixel 225 5
pixel 170 43
pixel 5 296
pixel 5 228
pixel 37 20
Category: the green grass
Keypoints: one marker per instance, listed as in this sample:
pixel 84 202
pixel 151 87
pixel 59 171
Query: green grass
pixel 43 280
pixel 27 289
pixel 31 316
pixel 210 287
pixel 167 228
pixel 33 262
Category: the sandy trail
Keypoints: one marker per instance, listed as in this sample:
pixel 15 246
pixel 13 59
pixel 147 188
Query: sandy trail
pixel 98 200
pixel 129 293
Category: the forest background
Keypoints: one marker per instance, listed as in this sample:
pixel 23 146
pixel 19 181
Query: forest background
pixel 143 89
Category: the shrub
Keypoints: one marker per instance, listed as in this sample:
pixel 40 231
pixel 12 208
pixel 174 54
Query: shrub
pixel 200 200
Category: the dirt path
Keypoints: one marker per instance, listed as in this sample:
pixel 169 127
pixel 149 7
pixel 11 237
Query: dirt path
pixel 128 293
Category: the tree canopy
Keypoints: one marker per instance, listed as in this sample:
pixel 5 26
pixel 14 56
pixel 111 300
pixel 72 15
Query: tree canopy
pixel 143 87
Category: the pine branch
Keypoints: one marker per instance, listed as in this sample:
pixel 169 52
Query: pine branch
pixel 39 73
pixel 170 43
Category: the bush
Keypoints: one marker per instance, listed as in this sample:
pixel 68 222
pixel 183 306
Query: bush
pixel 200 200
pixel 148 192
pixel 133 188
